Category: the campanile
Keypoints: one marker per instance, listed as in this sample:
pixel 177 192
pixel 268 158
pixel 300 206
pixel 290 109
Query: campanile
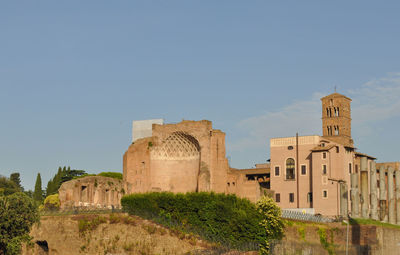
pixel 336 119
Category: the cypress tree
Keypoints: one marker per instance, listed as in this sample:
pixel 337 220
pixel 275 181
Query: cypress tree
pixel 38 193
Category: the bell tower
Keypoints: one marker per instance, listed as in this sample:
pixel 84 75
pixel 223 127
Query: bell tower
pixel 336 119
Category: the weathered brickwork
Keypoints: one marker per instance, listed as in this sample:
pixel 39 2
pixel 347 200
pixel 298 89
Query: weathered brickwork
pixel 336 119
pixel 91 191
pixel 184 157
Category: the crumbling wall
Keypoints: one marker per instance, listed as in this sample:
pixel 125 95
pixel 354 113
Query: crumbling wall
pixel 91 191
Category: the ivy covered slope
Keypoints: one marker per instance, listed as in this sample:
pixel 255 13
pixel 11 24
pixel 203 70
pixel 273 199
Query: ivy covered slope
pixel 220 218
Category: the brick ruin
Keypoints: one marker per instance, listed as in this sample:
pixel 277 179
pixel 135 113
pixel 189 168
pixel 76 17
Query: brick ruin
pixel 186 157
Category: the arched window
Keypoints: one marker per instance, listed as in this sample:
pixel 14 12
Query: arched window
pixel 336 130
pixel 338 111
pixel 290 169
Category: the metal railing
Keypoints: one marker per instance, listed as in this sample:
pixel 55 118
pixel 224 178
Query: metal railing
pixel 288 214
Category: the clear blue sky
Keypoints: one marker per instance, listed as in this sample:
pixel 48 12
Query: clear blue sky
pixel 74 74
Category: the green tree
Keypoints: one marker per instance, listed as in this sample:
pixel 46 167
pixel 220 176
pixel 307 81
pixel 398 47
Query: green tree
pixel 62 175
pixel 38 193
pixel 272 222
pixel 7 187
pixel 18 212
pixel 15 177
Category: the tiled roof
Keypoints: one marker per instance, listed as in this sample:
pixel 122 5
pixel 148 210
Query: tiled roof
pixel 323 148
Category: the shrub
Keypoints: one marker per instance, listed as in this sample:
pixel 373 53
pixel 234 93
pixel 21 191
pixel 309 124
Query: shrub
pixel 18 212
pixel 114 175
pixel 226 219
pixel 51 202
pixel 272 222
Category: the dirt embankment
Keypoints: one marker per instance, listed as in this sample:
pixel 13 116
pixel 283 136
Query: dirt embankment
pixel 108 234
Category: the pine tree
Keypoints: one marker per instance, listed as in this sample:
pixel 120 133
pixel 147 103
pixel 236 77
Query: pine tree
pixel 38 193
pixel 15 177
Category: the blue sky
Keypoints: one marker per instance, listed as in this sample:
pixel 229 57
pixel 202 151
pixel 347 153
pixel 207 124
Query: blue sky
pixel 74 74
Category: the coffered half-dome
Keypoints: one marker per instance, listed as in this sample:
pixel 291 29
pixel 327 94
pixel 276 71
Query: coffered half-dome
pixel 177 146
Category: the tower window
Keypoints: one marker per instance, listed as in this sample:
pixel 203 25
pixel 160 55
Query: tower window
pixel 290 169
pixel 324 155
pixel 350 168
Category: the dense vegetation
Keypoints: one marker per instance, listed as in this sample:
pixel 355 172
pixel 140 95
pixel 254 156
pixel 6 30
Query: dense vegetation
pixel 221 218
pixel 7 187
pixel 18 212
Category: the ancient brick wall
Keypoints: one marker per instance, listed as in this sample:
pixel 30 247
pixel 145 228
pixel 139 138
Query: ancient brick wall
pixel 91 191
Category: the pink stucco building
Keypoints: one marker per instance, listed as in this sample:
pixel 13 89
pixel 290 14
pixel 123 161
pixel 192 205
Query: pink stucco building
pixel 308 172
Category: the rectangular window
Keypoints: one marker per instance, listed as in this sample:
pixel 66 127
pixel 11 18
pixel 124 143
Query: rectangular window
pixel 325 193
pixel 324 155
pixel 303 169
pixel 324 171
pixel 356 169
pixel 277 171
pixel 291 197
pixel 350 168
pixel 337 149
pixel 309 197
pixel 277 197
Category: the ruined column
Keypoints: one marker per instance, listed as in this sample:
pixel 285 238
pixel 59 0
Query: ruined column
pixel 364 188
pixel 397 175
pixel 355 196
pixel 382 194
pixel 392 215
pixel 373 191
pixel 343 199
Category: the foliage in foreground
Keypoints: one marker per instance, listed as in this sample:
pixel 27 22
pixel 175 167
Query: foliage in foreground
pixel 271 222
pixel 221 218
pixel 18 212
